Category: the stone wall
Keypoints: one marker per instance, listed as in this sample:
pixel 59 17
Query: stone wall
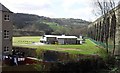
pixel 118 32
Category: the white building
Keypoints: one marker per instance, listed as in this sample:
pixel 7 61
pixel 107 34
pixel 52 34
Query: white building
pixel 60 39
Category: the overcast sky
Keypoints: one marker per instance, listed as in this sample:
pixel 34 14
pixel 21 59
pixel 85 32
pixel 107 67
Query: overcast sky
pixel 53 8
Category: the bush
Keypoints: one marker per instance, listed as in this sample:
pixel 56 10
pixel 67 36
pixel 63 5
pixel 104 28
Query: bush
pixel 82 66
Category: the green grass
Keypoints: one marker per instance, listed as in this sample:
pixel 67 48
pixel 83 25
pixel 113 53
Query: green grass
pixel 88 48
pixel 25 40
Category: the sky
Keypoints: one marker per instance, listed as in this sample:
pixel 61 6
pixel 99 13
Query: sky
pixel 79 9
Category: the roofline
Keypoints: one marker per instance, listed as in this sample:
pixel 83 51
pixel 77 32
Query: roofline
pixel 61 37
pixel 67 38
pixel 5 8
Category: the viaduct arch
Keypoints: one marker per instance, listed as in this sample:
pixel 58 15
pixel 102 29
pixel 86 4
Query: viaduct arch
pixel 109 31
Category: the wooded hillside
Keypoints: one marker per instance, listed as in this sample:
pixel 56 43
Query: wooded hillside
pixel 29 24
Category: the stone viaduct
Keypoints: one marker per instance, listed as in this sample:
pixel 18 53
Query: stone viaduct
pixel 100 31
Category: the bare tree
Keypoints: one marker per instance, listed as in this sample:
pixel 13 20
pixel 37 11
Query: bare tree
pixel 103 7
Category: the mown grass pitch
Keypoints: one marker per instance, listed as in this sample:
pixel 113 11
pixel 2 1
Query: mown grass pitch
pixel 25 40
pixel 87 48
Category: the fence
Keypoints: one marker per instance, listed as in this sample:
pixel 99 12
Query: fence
pixel 102 44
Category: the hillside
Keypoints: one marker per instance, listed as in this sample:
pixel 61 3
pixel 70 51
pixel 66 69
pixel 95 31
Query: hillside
pixel 29 24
